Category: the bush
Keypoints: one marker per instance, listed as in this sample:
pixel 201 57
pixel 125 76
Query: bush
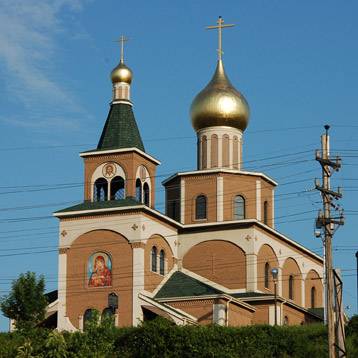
pixel 160 338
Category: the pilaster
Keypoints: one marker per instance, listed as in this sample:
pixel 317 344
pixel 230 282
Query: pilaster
pixel 138 280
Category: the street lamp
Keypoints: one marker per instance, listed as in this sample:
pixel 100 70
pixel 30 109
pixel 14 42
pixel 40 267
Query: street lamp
pixel 274 273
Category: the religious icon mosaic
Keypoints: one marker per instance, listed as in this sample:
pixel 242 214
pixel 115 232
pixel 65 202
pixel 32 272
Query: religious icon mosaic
pixel 109 170
pixel 99 270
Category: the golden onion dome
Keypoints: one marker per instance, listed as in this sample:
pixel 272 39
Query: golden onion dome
pixel 121 73
pixel 219 104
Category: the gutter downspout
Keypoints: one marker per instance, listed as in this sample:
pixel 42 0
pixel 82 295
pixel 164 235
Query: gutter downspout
pixel 281 311
pixel 227 311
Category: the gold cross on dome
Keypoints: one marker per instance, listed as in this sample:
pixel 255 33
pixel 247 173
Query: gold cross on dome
pixel 220 25
pixel 122 40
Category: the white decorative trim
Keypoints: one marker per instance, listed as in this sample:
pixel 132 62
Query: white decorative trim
pixel 220 198
pixel 220 170
pixel 272 315
pixel 208 297
pixel 62 291
pixel 123 101
pixel 220 149
pixel 219 314
pixel 98 173
pixel 118 151
pixel 251 272
pixel 260 224
pixel 273 209
pixel 258 200
pixel 147 180
pixel 182 200
pixel 138 284
pixel 175 313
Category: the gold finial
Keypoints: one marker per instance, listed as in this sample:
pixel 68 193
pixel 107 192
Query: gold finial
pixel 122 40
pixel 220 25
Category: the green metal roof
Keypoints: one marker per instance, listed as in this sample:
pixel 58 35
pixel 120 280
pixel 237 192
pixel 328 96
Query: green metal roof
pixel 120 130
pixel 319 312
pixel 250 294
pixel 182 285
pixel 95 205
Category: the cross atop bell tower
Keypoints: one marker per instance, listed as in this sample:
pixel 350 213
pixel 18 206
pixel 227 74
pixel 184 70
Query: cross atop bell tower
pixel 220 25
pixel 122 39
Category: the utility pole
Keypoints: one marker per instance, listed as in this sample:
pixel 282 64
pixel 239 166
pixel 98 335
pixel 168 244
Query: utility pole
pixel 357 277
pixel 328 225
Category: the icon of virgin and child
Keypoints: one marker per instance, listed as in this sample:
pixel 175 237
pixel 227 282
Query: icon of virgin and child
pixel 99 270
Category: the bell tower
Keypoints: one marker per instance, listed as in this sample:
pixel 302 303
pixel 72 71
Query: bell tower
pixel 119 168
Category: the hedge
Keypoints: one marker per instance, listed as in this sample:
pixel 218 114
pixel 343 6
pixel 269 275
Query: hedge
pixel 159 338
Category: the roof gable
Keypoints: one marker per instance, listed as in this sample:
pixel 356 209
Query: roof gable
pixel 182 285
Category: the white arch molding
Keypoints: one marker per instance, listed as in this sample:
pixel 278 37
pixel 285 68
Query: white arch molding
pixel 98 173
pixel 144 176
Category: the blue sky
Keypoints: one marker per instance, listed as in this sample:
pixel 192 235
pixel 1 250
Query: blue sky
pixel 295 62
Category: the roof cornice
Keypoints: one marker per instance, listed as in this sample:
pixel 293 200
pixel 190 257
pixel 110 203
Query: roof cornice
pixel 118 151
pixel 216 171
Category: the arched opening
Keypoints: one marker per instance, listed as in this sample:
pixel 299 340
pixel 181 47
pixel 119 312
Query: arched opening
pixel 108 315
pixel 146 194
pixel 266 213
pixel 138 190
pixel 204 145
pixel 200 207
pixel 100 190
pixel 214 151
pixel 154 253
pixel 267 275
pixel 88 316
pixel 226 150
pixel 117 188
pixel 285 321
pixel 235 158
pixel 162 262
pixel 290 287
pixel 239 207
pixel 313 297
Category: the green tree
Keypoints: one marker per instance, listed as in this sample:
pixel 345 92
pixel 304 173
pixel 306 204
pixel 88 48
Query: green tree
pixel 26 303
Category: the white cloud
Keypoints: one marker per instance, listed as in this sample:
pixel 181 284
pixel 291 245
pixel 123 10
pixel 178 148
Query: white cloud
pixel 28 45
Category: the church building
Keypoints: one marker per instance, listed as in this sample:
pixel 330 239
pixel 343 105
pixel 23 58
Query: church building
pixel 213 257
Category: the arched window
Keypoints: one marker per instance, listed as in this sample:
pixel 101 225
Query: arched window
pixel 146 194
pixel 235 152
pixel 117 188
pixel 154 259
pixel 313 297
pixel 267 274
pixel 239 207
pixel 200 207
pixel 87 317
pixel 108 314
pixel 162 262
pixel 290 287
pixel 226 150
pixel 266 213
pixel 100 190
pixel 285 321
pixel 214 151
pixel 138 190
pixel 204 149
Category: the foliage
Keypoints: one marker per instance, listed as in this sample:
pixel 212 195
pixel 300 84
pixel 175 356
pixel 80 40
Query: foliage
pixel 26 302
pixel 352 326
pixel 352 337
pixel 160 338
pixel 55 345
